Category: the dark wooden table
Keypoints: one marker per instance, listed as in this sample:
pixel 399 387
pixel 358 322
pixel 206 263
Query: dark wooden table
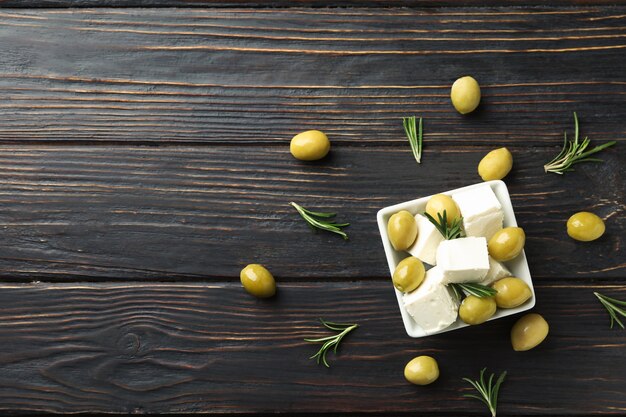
pixel 144 161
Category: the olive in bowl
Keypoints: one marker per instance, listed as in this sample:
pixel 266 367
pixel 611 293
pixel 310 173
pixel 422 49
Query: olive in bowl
pixel 409 274
pixel 402 230
pixel 477 310
pixel 439 204
pixel 507 243
pixel 512 292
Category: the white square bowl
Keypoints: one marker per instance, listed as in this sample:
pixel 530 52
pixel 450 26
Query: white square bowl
pixel 518 266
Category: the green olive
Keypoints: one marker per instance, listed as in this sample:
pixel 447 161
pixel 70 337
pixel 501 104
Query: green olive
pixel 310 145
pixel 422 370
pixel 528 332
pixel 585 226
pixel 402 230
pixel 409 274
pixel 495 165
pixel 507 243
pixel 258 281
pixel 477 310
pixel 465 94
pixel 440 202
pixel 512 292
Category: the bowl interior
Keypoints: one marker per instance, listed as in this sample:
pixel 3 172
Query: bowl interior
pixel 518 266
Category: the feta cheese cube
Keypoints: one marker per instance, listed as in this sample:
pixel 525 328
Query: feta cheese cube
pixel 463 260
pixel 496 272
pixel 485 226
pixel 428 240
pixel 482 212
pixel 476 202
pixel 432 305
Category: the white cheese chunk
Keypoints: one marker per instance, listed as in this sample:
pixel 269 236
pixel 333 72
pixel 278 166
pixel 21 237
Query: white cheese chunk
pixel 428 240
pixel 432 305
pixel 496 271
pixel 476 202
pixel 463 260
pixel 485 226
pixel 482 212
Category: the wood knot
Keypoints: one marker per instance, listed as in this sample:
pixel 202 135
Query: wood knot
pixel 129 343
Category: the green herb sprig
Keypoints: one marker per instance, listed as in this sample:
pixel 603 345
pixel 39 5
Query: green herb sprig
pixel 613 307
pixel 477 290
pixel 450 232
pixel 488 390
pixel 316 220
pixel 330 342
pixel 573 152
pixel 414 133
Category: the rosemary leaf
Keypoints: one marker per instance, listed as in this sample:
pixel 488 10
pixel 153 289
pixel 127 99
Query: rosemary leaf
pixel 477 290
pixel 321 220
pixel 449 232
pixel 414 134
pixel 613 307
pixel 458 292
pixel 330 342
pixel 573 152
pixel 335 326
pixel 488 390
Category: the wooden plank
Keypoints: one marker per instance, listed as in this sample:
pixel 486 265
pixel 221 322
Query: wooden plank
pixel 150 348
pixel 259 76
pixel 202 212
pixel 301 3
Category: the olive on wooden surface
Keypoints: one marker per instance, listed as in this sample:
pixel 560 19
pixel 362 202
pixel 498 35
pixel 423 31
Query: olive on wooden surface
pixel 512 292
pixel 507 243
pixel 258 281
pixel 585 226
pixel 528 332
pixel 477 310
pixel 409 274
pixel 495 165
pixel 465 94
pixel 402 230
pixel 310 145
pixel 422 370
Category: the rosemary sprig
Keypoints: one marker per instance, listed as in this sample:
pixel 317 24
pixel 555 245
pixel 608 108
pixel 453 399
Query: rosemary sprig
pixel 330 341
pixel 573 152
pixel 414 133
pixel 477 290
pixel 315 220
pixel 488 391
pixel 612 306
pixel 450 232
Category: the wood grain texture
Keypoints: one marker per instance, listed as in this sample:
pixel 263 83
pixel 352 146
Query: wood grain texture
pixel 301 3
pixel 218 76
pixel 216 94
pixel 147 348
pixel 203 213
